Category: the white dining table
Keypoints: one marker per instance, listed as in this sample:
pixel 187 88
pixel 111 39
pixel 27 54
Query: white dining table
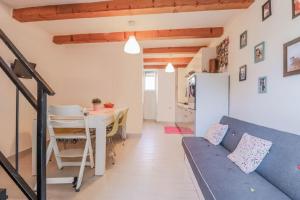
pixel 97 120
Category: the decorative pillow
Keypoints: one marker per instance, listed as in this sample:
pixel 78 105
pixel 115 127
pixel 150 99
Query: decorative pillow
pixel 250 152
pixel 216 133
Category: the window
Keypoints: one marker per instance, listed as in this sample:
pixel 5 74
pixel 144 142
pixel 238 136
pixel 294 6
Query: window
pixel 150 80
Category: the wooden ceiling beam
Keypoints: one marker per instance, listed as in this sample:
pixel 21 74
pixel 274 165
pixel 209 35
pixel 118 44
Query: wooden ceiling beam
pixel 178 50
pixel 123 8
pixel 212 32
pixel 164 66
pixel 177 60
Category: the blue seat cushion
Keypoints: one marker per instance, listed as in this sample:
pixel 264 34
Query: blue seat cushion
pixel 280 166
pixel 221 179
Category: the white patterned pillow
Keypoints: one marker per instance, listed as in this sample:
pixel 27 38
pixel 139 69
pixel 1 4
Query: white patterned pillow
pixel 250 152
pixel 216 133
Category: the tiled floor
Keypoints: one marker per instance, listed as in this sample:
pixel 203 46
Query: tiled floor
pixel 150 166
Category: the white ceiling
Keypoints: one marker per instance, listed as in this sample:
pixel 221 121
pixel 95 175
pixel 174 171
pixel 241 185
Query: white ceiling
pixel 142 22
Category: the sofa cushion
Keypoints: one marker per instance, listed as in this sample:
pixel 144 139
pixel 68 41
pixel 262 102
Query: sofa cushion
pixel 216 133
pixel 280 166
pixel 221 179
pixel 250 152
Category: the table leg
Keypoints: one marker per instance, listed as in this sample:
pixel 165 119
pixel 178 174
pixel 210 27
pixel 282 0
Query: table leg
pixel 100 156
pixel 100 148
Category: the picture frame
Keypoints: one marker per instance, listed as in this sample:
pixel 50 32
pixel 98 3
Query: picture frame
pixel 243 39
pixel 296 8
pixel 259 52
pixel 291 57
pixel 243 73
pixel 222 54
pixel 262 85
pixel 266 10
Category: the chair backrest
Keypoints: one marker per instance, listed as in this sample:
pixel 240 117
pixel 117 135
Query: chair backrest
pixel 65 110
pixel 66 116
pixel 123 119
pixel 114 130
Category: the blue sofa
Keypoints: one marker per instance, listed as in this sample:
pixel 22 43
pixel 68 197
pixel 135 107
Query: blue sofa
pixel 277 177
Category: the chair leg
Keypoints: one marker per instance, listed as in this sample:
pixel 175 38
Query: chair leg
pixel 49 152
pixel 110 150
pixel 91 153
pixel 57 155
pixel 82 167
pixel 123 135
pixel 52 147
pixel 113 147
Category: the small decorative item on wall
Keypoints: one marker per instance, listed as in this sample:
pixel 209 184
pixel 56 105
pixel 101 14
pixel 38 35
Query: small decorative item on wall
pixel 243 39
pixel 266 10
pixel 243 73
pixel 259 52
pixel 291 51
pixel 262 85
pixel 296 8
pixel 222 55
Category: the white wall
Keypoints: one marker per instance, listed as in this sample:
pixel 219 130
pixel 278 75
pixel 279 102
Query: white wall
pixel 181 85
pixel 86 71
pixel 279 108
pixel 36 45
pixel 166 96
pixel 77 73
pixel 201 59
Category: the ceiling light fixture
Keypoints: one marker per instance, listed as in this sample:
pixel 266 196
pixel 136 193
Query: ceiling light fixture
pixel 170 68
pixel 132 46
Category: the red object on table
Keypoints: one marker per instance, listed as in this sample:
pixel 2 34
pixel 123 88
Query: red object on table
pixel 108 105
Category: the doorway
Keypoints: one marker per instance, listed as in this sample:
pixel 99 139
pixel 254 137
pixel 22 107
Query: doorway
pixel 150 95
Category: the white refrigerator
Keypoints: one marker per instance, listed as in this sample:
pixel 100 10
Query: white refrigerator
pixel 212 100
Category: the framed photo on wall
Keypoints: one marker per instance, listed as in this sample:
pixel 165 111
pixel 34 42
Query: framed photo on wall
pixel 259 52
pixel 291 57
pixel 262 85
pixel 296 8
pixel 243 73
pixel 243 39
pixel 266 10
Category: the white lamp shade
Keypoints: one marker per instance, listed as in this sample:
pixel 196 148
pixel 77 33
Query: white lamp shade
pixel 170 68
pixel 132 46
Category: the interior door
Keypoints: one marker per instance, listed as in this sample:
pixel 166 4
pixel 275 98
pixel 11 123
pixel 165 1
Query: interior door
pixel 150 102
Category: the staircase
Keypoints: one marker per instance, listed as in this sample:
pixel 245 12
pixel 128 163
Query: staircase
pixel 40 105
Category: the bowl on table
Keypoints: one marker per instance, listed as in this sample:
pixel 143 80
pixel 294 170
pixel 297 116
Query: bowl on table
pixel 108 105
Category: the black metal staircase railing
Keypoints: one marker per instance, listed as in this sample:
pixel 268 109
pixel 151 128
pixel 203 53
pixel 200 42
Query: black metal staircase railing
pixel 40 105
pixel 15 176
pixel 3 195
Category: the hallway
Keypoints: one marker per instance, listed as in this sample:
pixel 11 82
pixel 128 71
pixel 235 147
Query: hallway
pixel 150 166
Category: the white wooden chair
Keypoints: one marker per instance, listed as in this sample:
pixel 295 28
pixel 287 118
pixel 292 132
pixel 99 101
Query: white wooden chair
pixel 122 123
pixel 111 131
pixel 69 117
